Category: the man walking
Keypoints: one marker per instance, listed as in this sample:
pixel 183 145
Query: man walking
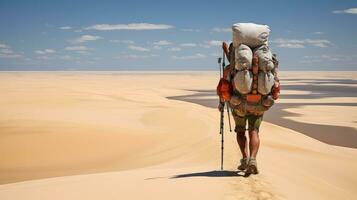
pixel 248 116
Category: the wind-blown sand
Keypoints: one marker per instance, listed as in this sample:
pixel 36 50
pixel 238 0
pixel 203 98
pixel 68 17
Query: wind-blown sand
pixel 115 135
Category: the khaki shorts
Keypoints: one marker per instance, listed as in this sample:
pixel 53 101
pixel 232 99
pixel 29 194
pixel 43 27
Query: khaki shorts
pixel 254 122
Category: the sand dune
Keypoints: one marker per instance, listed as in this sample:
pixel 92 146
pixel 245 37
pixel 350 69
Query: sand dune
pixel 104 135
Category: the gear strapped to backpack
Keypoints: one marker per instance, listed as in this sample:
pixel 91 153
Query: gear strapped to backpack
pixel 253 72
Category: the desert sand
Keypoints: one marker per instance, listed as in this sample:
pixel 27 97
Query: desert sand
pixel 116 135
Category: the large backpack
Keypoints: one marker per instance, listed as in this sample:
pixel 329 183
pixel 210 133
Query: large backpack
pixel 254 77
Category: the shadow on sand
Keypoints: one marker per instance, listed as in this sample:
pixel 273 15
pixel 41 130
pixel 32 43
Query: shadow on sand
pixel 214 173
pixel 329 134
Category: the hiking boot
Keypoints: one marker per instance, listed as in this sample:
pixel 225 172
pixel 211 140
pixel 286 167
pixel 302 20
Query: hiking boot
pixel 252 167
pixel 243 164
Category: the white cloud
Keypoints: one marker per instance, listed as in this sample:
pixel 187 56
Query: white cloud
pixel 133 26
pixel 328 59
pixel 282 41
pixel 7 52
pixel 50 51
pixel 188 45
pixel 10 55
pixel 86 38
pixel 291 46
pixel 221 30
pixel 46 51
pixel 211 43
pixel 157 47
pixel 214 43
pixel 318 33
pixel 346 11
pixel 294 43
pixel 3 46
pixel 138 48
pixel 134 56
pixel 215 54
pixel 190 30
pixel 65 27
pixel 174 49
pixel 77 49
pixel 318 43
pixel 66 57
pixel 122 41
pixel 162 43
pixel 43 57
pixel 195 56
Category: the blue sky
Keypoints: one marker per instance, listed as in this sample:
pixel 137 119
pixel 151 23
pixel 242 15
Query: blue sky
pixel 170 35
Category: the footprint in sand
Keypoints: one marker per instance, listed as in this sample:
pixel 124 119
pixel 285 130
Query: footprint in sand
pixel 253 187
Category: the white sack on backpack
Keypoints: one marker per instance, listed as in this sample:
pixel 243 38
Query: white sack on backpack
pixel 265 82
pixel 265 58
pixel 243 81
pixel 243 57
pixel 250 34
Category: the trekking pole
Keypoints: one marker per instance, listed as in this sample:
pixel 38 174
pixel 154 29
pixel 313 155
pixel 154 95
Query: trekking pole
pixel 221 129
pixel 229 118
pixel 219 63
pixel 222 142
